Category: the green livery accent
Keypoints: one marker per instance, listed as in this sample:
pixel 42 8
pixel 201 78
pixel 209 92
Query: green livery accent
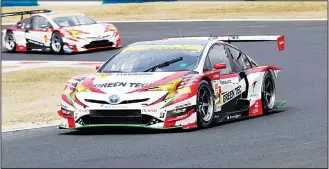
pixel 70 99
pixel 118 126
pixel 281 104
pixel 172 99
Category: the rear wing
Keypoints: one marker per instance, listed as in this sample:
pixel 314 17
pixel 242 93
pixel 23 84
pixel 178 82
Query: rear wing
pixel 254 38
pixel 22 13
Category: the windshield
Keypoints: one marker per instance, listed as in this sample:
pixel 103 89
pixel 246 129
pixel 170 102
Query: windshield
pixel 144 58
pixel 73 20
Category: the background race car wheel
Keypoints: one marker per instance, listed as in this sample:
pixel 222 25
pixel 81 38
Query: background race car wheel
pixel 268 92
pixel 205 105
pixel 56 43
pixel 10 42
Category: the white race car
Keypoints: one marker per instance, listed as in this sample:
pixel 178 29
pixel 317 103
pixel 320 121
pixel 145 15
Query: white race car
pixel 172 83
pixel 58 33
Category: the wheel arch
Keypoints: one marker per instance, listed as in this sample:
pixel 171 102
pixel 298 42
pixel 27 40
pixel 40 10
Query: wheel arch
pixel 207 79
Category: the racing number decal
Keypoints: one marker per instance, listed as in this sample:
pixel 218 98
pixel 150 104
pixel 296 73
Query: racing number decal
pixel 231 94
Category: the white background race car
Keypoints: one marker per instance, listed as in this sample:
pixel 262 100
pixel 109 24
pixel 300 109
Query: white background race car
pixel 172 83
pixel 58 33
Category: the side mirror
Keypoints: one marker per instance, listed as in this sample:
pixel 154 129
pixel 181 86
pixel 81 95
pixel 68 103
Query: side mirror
pixel 97 67
pixel 220 66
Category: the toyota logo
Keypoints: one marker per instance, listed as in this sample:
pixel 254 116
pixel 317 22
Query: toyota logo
pixel 114 99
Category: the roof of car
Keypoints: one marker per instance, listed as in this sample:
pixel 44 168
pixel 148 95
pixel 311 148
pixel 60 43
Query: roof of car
pixel 58 14
pixel 173 42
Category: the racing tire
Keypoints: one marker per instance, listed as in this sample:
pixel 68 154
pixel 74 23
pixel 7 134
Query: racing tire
pixel 268 92
pixel 205 105
pixel 10 42
pixel 56 43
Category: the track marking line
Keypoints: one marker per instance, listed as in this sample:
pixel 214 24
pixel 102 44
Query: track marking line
pixel 208 20
pixel 21 127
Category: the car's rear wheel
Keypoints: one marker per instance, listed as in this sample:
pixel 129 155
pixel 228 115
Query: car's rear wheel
pixel 57 43
pixel 205 105
pixel 268 92
pixel 10 42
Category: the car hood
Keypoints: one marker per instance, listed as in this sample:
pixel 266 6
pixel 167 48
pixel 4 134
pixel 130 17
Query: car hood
pixel 91 30
pixel 126 82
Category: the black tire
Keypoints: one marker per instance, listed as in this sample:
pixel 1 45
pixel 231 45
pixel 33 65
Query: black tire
pixel 268 92
pixel 10 37
pixel 56 38
pixel 205 120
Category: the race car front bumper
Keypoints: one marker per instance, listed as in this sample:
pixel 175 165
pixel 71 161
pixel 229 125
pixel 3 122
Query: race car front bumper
pixel 153 117
pixel 80 45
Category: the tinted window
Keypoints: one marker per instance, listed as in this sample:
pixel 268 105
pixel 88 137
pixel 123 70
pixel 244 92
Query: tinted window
pixel 243 60
pixel 207 65
pixel 239 58
pixel 38 21
pixel 141 58
pixel 218 55
pixel 24 22
pixel 73 20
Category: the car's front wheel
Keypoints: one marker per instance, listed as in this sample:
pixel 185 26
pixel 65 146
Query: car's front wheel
pixel 57 43
pixel 205 105
pixel 10 42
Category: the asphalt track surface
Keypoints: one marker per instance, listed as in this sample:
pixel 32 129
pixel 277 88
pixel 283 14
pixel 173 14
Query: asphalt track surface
pixel 294 137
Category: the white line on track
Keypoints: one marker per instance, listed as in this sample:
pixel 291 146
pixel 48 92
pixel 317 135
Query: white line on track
pixel 30 126
pixel 209 20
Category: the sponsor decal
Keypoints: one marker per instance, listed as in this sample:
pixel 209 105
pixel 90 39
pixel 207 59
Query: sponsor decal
pixel 231 94
pixel 216 76
pixel 255 110
pixel 183 105
pixel 121 84
pixel 162 115
pixel 114 99
pixel 105 106
pixel 229 117
pixel 165 47
pixel 149 110
pixel 82 111
pixel 224 82
pixel 135 74
pixel 177 111
pixel 34 42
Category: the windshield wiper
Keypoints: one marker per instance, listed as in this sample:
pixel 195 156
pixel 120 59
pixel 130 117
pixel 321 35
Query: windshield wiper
pixel 164 64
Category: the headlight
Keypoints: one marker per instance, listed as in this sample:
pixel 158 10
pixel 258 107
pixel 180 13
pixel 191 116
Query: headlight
pixel 81 88
pixel 72 33
pixel 169 87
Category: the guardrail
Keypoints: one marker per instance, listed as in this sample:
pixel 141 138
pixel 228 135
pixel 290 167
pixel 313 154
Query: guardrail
pixel 17 3
pixel 12 3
